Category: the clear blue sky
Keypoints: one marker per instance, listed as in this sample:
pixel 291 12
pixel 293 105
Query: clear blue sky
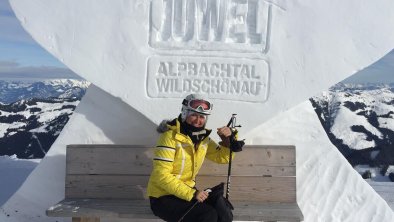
pixel 21 56
pixel 381 71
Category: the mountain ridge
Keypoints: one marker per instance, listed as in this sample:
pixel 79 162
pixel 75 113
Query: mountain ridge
pixel 359 121
pixel 32 114
pixel 15 90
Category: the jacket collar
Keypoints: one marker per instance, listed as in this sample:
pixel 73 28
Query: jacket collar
pixel 175 125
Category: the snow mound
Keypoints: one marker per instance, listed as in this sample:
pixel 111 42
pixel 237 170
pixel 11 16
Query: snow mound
pixel 328 188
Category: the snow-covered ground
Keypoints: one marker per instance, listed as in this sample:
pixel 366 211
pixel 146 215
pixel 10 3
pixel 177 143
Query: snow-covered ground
pixel 358 118
pixel 385 190
pixel 349 137
pixel 29 127
pixel 375 173
pixel 347 105
pixel 13 173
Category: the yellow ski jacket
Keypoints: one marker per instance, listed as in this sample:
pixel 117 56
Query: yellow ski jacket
pixel 176 162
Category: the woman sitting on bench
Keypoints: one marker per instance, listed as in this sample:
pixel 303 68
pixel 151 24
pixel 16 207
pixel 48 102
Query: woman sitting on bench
pixel 180 151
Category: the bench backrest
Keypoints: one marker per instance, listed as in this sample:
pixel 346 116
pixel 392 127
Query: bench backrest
pixel 259 173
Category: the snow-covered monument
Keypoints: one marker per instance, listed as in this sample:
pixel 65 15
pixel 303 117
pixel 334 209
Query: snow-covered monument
pixel 261 59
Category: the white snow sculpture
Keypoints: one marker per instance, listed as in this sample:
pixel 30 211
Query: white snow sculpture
pixel 251 55
pixel 256 58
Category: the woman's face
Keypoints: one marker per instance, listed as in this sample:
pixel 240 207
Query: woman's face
pixel 196 120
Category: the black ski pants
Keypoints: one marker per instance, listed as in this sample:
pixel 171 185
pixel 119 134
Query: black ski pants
pixel 171 208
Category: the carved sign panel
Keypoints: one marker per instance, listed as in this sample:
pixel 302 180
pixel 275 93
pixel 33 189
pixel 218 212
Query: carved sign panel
pixel 223 78
pixel 196 27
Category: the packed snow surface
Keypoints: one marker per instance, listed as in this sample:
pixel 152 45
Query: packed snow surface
pixel 328 188
pixel 385 190
pixel 13 173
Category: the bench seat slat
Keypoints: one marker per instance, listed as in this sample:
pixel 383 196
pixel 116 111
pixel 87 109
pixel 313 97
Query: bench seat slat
pixel 258 189
pixel 264 160
pixel 255 189
pixel 267 211
pixel 140 209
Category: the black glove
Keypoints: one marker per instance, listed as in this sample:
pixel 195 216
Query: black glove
pixel 236 145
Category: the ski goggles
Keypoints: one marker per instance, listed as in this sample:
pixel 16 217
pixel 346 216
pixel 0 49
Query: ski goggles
pixel 198 105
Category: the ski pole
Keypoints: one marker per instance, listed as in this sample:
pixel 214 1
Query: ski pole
pixel 232 124
pixel 228 175
pixel 190 208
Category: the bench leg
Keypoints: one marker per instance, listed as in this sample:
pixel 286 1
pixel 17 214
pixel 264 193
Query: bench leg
pixel 86 219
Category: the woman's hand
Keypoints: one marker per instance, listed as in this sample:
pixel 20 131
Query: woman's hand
pixel 201 196
pixel 224 133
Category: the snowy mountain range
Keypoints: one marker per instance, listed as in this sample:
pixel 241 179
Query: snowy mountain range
pixel 32 114
pixel 16 90
pixel 359 120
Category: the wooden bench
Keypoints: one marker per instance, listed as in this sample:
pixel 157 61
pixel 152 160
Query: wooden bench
pixel 105 181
